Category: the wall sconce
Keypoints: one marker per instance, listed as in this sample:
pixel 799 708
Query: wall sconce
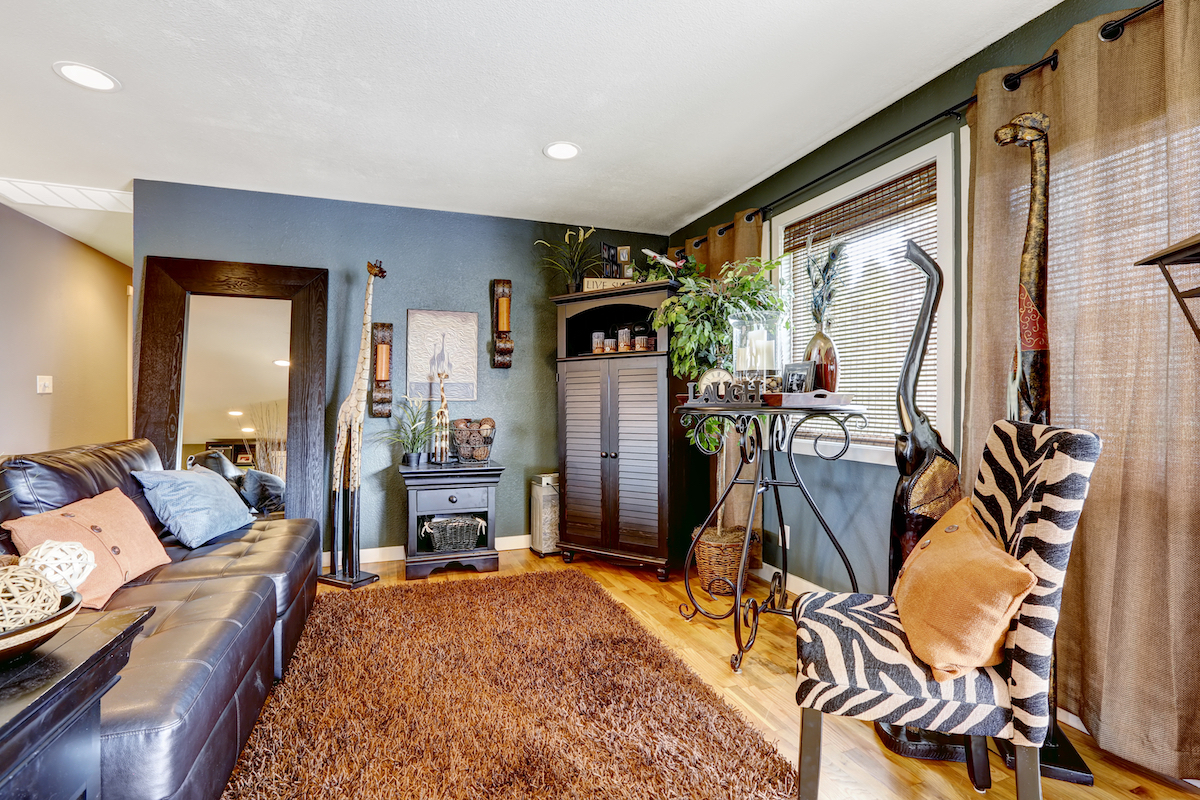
pixel 381 385
pixel 502 345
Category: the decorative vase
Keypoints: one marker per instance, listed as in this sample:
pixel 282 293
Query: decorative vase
pixel 823 353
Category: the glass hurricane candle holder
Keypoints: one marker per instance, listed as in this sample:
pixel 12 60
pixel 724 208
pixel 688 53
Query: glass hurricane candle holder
pixel 758 341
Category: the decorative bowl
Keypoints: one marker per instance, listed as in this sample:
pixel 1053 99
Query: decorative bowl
pixel 20 641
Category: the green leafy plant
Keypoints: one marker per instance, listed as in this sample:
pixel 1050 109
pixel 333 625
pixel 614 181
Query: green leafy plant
pixel 574 257
pixel 656 270
pixel 412 425
pixel 699 313
pixel 824 275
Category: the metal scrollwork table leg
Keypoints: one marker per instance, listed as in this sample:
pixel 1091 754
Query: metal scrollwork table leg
pixel 757 451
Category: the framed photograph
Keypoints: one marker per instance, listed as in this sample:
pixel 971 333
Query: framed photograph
pixel 623 255
pixel 798 377
pixel 610 267
pixel 244 460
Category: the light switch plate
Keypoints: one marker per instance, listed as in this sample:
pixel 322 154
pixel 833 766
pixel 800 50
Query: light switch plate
pixel 45 384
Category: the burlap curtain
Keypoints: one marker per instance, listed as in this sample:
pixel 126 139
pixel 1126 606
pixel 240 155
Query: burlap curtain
pixel 1124 183
pixel 726 243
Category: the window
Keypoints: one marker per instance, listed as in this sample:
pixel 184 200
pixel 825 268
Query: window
pixel 876 307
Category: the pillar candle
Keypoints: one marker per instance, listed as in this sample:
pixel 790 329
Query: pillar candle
pixel 383 362
pixel 502 314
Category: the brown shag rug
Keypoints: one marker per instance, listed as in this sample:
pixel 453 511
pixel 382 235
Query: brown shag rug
pixel 531 686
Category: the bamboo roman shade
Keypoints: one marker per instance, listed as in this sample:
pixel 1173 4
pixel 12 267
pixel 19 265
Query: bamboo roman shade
pixel 876 306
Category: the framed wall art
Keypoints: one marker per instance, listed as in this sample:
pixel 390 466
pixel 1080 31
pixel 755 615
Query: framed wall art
pixel 442 341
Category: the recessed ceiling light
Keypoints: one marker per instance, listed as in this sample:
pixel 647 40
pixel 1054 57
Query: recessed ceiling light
pixel 235 413
pixel 87 77
pixel 561 151
pixel 247 430
pixel 282 363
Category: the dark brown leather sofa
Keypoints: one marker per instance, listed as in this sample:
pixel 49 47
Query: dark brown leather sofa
pixel 228 618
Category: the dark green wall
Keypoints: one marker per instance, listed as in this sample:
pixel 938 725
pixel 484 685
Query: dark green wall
pixel 856 497
pixel 1025 45
pixel 434 260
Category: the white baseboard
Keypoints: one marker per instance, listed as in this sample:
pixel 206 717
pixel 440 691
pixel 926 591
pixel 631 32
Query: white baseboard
pixel 513 542
pixel 795 584
pixel 371 555
pixel 1067 718
pixel 378 555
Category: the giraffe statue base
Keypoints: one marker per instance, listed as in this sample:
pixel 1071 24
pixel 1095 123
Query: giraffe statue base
pixel 344 581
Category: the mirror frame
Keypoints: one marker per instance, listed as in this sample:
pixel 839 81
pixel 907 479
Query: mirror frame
pixel 158 404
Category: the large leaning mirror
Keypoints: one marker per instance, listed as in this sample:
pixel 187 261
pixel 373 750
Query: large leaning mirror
pixel 170 284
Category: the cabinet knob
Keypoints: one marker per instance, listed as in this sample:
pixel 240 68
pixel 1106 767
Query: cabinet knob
pixel 612 455
pixel 603 454
pixel 453 499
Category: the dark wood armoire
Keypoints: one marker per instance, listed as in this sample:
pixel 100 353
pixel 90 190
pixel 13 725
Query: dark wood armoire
pixel 632 487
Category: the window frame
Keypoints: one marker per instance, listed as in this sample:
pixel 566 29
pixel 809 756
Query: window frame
pixel 941 152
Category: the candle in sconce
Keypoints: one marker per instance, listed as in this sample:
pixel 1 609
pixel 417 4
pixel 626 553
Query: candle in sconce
pixel 503 305
pixel 383 362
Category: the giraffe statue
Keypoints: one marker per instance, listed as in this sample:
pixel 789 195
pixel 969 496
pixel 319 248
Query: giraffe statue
pixel 441 422
pixel 1029 380
pixel 347 458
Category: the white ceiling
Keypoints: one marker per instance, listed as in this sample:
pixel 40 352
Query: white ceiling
pixel 231 342
pixel 678 105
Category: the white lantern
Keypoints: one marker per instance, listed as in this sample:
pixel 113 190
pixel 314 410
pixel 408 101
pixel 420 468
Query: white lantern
pixel 65 564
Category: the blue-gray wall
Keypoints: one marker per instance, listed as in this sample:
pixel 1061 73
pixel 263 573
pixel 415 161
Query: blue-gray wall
pixel 434 260
pixel 855 496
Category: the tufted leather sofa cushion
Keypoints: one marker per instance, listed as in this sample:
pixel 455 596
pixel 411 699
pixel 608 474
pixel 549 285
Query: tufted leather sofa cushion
pixel 197 676
pixel 286 551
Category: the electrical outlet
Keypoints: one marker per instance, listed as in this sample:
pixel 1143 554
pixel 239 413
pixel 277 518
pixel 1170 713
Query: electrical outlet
pixel 45 384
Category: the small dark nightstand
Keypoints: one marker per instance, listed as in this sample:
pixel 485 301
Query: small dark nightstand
pixel 436 490
pixel 50 707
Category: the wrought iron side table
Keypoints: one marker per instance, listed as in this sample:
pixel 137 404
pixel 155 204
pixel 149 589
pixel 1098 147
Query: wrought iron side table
pixel 764 430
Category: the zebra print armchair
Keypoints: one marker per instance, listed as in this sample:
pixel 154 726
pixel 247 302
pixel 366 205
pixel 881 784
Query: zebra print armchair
pixel 853 655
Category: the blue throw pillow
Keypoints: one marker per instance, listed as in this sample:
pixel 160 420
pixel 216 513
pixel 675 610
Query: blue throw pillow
pixel 263 491
pixel 196 505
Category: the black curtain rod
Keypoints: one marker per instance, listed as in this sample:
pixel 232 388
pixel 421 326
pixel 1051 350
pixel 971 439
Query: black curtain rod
pixel 1112 30
pixel 1109 32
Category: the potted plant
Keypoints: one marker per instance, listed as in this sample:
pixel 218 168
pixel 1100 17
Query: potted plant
pixel 411 428
pixel 702 338
pixel 574 258
pixel 699 313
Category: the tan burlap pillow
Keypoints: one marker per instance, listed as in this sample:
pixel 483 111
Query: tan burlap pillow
pixel 109 525
pixel 957 593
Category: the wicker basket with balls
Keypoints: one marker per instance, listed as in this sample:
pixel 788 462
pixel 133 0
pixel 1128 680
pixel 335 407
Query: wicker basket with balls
pixel 473 439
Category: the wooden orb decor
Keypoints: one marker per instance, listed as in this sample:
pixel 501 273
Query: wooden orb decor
pixel 65 564
pixel 26 596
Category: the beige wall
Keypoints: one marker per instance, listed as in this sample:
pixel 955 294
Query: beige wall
pixel 65 314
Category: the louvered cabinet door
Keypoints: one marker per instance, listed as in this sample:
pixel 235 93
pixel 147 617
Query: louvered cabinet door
pixel 581 392
pixel 637 444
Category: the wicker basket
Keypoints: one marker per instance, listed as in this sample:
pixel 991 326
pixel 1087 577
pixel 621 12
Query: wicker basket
pixel 454 533
pixel 718 556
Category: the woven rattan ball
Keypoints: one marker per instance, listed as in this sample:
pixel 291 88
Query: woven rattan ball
pixel 476 439
pixel 487 422
pixel 473 426
pixel 65 564
pixel 25 597
pixel 460 423
pixel 462 435
pixel 481 453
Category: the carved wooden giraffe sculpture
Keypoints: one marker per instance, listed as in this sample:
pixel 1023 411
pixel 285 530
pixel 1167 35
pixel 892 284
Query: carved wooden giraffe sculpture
pixel 347 458
pixel 1029 381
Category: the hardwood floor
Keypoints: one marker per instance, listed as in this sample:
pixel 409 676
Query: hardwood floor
pixel 854 764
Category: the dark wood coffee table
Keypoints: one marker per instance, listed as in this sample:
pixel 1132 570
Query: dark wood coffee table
pixel 50 706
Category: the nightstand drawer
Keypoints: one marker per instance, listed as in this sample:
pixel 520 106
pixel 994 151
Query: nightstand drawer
pixel 434 501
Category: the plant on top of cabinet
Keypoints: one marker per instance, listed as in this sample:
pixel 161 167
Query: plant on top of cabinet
pixel 574 257
pixel 411 429
pixel 699 313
